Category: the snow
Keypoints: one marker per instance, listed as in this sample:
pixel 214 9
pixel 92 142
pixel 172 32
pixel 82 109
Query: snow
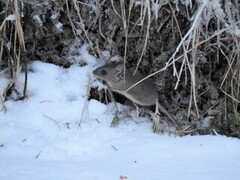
pixel 40 137
pixel 11 17
pixel 59 26
pixel 237 31
pixel 37 18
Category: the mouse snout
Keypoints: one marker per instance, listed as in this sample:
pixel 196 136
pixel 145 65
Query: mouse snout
pixel 96 71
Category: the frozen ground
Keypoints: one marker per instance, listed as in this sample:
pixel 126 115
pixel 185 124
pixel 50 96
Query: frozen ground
pixel 40 138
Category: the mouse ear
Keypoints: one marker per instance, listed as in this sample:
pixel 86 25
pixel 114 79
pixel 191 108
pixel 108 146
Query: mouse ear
pixel 119 71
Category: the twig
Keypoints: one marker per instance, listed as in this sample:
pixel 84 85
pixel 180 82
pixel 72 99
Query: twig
pixel 52 121
pixel 85 103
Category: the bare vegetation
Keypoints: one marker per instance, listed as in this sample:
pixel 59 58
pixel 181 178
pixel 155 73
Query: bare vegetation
pixel 190 48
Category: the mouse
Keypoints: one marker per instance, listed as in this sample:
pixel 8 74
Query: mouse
pixel 119 79
pixel 144 94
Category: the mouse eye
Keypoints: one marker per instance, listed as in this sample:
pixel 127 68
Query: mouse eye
pixel 103 72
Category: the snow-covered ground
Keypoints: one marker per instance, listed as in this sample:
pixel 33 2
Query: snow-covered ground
pixel 40 138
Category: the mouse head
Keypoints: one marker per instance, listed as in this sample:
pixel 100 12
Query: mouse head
pixel 111 72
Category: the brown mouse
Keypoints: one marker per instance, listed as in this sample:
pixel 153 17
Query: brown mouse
pixel 144 93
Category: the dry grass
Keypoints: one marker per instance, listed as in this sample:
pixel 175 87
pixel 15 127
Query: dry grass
pixel 190 44
pixel 76 4
pixel 12 44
